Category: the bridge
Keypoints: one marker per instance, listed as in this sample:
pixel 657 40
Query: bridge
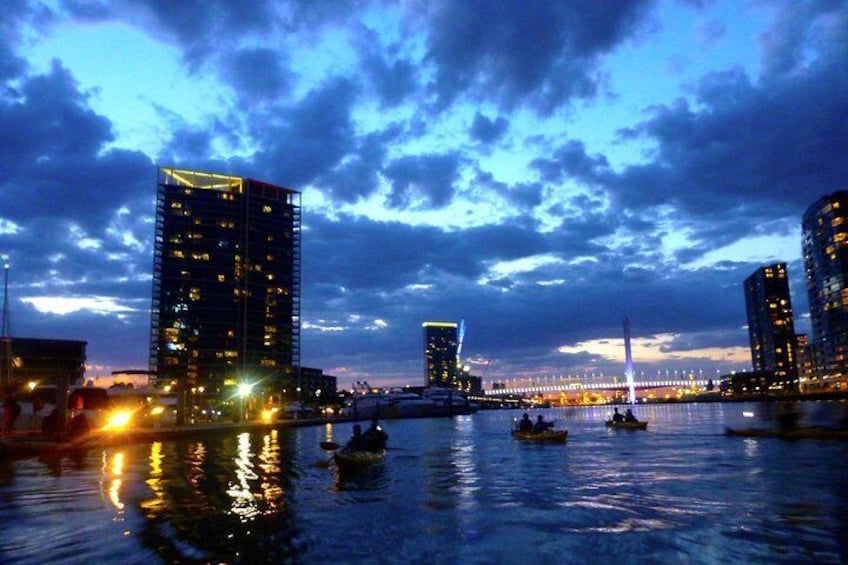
pixel 535 387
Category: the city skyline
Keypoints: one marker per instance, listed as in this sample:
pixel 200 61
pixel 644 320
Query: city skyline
pixel 541 170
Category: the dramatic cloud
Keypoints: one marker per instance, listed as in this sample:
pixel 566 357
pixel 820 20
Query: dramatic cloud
pixel 533 168
pixel 542 54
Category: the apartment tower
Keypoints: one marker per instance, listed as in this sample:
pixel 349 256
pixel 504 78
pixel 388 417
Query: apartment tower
pixel 226 282
pixel 825 248
pixel 771 328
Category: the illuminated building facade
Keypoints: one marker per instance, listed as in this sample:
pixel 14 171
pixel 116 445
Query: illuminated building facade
pixel 441 343
pixel 226 282
pixel 825 248
pixel 771 328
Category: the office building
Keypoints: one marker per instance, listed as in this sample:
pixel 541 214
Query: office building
pixel 771 328
pixel 441 343
pixel 825 249
pixel 226 282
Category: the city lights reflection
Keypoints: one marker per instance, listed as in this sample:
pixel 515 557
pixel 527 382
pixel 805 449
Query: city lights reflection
pixel 243 503
pixel 154 481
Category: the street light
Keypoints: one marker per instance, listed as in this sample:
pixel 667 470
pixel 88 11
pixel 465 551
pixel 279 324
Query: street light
pixel 244 390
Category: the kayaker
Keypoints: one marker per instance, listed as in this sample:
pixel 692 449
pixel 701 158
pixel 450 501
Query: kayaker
pixel 629 417
pixel 617 416
pixel 357 441
pixel 375 438
pixel 525 424
pixel 541 425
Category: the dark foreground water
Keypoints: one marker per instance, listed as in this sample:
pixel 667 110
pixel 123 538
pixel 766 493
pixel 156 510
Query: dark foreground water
pixel 454 490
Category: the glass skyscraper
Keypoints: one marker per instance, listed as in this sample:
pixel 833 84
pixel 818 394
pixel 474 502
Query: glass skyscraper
pixel 441 342
pixel 771 327
pixel 226 281
pixel 825 248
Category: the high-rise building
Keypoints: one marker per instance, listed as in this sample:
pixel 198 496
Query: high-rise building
pixel 441 342
pixel 825 248
pixel 226 282
pixel 771 328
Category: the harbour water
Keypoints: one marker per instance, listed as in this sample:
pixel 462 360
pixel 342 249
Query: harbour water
pixel 452 490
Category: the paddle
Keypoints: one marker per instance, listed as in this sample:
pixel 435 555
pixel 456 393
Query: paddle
pixel 325 464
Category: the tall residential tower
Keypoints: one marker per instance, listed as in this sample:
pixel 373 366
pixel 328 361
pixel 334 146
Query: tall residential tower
pixel 825 248
pixel 226 281
pixel 771 327
pixel 441 343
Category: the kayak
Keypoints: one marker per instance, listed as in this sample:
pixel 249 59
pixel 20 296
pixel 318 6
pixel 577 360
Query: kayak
pixel 798 433
pixel 551 436
pixel 627 425
pixel 348 460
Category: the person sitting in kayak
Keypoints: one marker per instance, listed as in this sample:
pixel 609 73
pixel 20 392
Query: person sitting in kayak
pixel 541 425
pixel 525 424
pixel 375 437
pixel 357 441
pixel 617 416
pixel 629 417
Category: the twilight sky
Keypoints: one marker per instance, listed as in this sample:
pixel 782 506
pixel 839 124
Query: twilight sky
pixel 538 169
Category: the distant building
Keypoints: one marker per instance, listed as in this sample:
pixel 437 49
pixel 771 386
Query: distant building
pixel 226 282
pixel 315 387
pixel 468 383
pixel 44 361
pixel 825 248
pixel 771 328
pixel 441 342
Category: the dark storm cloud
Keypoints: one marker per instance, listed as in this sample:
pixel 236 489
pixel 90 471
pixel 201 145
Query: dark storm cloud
pixel 524 196
pixel 768 149
pixel 52 143
pixel 389 74
pixel 486 130
pixel 309 138
pixel 540 53
pixel 571 161
pixel 357 253
pixel 422 181
pixel 202 27
pixel 801 28
pixel 358 176
pixel 257 73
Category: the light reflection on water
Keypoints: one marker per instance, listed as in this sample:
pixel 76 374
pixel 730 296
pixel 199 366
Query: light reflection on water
pixel 452 490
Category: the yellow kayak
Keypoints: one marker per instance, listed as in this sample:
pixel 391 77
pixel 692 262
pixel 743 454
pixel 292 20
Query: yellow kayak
pixel 558 436
pixel 352 460
pixel 627 425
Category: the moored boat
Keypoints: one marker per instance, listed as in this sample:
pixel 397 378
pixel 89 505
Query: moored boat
pixel 550 436
pixel 797 433
pixel 348 460
pixel 627 425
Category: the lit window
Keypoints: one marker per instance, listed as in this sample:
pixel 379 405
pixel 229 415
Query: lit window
pixel 222 278
pixel 266 209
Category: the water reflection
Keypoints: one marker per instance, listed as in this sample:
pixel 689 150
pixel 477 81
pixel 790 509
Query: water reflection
pixel 219 500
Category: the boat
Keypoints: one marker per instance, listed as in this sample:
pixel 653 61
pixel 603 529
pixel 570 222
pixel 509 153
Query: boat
pixel 391 404
pixel 549 436
pixel 627 425
pixel 350 460
pixel 817 432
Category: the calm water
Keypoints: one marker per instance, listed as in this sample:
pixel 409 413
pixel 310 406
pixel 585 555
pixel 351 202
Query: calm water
pixel 451 491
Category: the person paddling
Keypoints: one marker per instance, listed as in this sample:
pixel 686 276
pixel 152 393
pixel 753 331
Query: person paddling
pixel 375 438
pixel 541 425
